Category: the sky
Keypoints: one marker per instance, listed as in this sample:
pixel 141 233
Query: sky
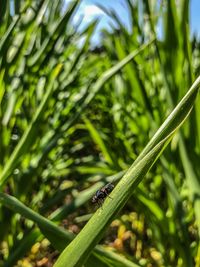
pixel 89 10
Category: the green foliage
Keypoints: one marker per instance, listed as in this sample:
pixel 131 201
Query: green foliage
pixel 73 119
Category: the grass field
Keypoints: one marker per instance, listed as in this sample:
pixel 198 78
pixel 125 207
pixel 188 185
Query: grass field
pixel 74 118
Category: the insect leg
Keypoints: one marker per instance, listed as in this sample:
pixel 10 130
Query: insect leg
pixel 99 203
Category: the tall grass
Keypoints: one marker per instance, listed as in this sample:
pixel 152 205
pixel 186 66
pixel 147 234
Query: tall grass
pixel 73 119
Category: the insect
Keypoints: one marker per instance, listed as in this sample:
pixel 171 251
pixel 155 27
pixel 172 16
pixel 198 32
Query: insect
pixel 102 193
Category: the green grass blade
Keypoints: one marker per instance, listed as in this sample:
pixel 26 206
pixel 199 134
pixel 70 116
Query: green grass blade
pixel 7 35
pixel 80 248
pixel 27 139
pixel 179 113
pixel 58 237
pixel 50 40
pixel 114 259
pixel 150 204
pixel 98 140
pixel 24 245
pixel 94 89
pixel 105 77
pixel 192 180
pixel 15 205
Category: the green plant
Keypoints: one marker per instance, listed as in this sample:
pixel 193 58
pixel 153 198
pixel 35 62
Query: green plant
pixel 73 119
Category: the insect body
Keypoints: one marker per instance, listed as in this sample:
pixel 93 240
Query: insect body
pixel 102 193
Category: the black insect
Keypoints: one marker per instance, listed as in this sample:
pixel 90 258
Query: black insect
pixel 102 193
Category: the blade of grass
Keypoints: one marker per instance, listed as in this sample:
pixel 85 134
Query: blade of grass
pixel 98 140
pixel 80 248
pixel 24 245
pixel 57 236
pixel 49 42
pixel 26 140
pixel 5 39
pixel 105 77
pixel 101 81
pixel 15 205
pixel 193 182
pixel 179 214
pixel 113 258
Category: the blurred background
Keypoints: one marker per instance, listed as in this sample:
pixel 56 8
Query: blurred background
pixel 91 9
pixel 65 132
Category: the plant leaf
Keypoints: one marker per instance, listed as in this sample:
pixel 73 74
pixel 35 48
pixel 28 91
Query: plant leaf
pixel 80 248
